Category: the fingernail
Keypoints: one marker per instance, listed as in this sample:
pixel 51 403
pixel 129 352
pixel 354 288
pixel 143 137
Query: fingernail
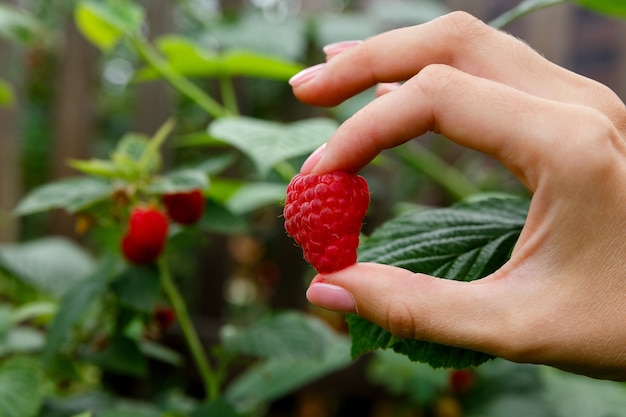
pixel 331 297
pixel 336 48
pixel 305 75
pixel 312 160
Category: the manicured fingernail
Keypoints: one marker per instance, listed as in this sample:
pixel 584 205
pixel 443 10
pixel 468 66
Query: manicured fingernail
pixel 305 75
pixel 331 297
pixel 312 160
pixel 336 48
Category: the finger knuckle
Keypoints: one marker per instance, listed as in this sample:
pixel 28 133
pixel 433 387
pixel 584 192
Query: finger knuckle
pixel 464 26
pixel 400 320
pixel 433 77
pixel 600 140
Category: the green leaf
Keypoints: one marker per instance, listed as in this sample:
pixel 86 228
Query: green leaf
pixel 20 388
pixel 180 181
pixel 72 194
pixel 610 7
pixel 160 352
pixel 18 26
pixel 465 242
pixel 22 339
pixel 133 408
pixel 216 164
pixel 268 143
pixel 191 60
pixel 7 97
pixel 131 157
pixel 419 382
pixel 251 64
pixel 254 32
pixel 219 219
pixel 289 336
pixel 98 167
pixel 121 355
pixel 75 303
pixel 217 408
pixel 272 379
pixel 105 23
pixel 52 265
pixel 254 195
pixel 138 287
pixel 34 310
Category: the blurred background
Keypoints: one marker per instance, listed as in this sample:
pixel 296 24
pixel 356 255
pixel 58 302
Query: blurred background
pixel 71 100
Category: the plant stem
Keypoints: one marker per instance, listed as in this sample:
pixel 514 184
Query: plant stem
pixel 229 98
pixel 180 83
pixel 522 9
pixel 439 171
pixel 209 378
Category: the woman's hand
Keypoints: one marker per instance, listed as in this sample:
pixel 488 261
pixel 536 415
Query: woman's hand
pixel 560 298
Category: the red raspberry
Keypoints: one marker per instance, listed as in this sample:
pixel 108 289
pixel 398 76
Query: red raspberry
pixel 461 381
pixel 145 237
pixel 164 317
pixel 324 214
pixel 184 207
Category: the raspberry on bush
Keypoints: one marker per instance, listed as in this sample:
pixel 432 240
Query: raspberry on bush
pixel 145 236
pixel 184 207
pixel 324 214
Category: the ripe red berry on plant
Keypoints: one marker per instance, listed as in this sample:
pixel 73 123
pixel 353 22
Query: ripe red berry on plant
pixel 324 214
pixel 164 317
pixel 145 235
pixel 184 207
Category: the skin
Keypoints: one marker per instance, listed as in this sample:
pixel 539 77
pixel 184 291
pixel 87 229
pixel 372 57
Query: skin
pixel 560 299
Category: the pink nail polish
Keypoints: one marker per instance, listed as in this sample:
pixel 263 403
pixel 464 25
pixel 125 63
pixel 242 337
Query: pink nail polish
pixel 331 297
pixel 312 160
pixel 336 48
pixel 305 75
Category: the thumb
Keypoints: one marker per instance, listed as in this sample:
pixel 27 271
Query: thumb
pixel 471 315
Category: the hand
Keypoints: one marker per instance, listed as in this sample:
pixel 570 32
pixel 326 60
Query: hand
pixel 560 298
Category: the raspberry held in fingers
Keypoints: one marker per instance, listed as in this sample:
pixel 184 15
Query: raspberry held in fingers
pixel 324 214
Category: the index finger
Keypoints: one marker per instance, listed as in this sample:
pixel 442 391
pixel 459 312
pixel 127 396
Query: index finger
pixel 520 130
pixel 458 40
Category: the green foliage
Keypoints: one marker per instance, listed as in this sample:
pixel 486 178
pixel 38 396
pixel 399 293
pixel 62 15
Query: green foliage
pixel 268 143
pixel 51 265
pixel 191 60
pixel 72 194
pixel 75 303
pixel 296 348
pixel 18 26
pixel 105 23
pixel 610 7
pixel 7 97
pixel 89 314
pixel 21 390
pixel 465 242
